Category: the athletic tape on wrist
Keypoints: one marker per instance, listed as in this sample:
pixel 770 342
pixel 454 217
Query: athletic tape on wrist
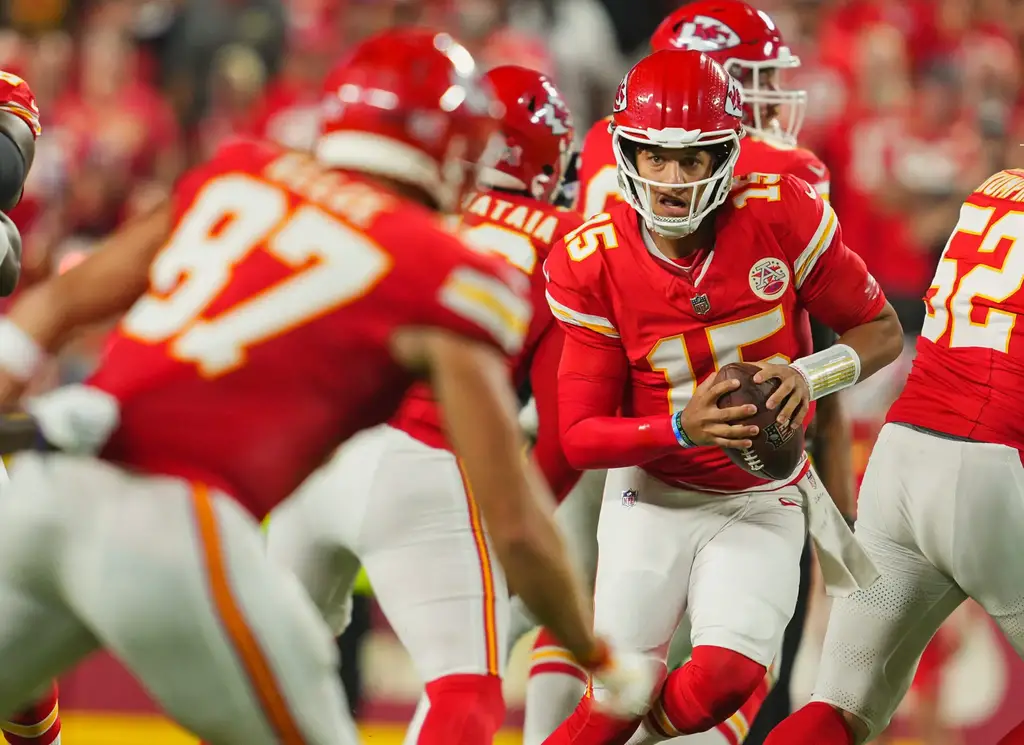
pixel 829 371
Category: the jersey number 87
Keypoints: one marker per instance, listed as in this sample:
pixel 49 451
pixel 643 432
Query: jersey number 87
pixel 232 216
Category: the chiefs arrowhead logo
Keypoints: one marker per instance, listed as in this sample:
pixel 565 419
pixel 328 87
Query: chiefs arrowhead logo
pixel 620 96
pixel 734 99
pixel 705 34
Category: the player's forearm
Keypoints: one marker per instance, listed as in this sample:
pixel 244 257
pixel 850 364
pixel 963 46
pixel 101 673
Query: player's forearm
pixel 473 389
pixel 617 442
pixel 538 570
pixel 833 453
pixel 877 343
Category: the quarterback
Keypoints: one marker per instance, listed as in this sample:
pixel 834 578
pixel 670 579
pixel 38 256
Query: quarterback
pixel 750 46
pixel 654 300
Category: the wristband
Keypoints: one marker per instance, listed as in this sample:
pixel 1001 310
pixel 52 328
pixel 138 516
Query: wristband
pixel 677 429
pixel 20 354
pixel 829 371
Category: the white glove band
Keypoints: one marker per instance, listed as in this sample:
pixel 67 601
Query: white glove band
pixel 20 354
pixel 830 370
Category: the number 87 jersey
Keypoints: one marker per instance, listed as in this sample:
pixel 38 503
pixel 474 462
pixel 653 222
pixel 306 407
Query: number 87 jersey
pixel 778 254
pixel 264 340
pixel 969 368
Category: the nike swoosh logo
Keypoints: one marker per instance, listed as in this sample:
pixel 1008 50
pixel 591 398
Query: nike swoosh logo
pixel 818 171
pixel 787 502
pixel 811 192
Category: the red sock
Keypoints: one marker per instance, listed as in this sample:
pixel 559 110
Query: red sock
pixel 1014 736
pixel 38 724
pixel 464 710
pixel 588 726
pixel 709 689
pixel 815 724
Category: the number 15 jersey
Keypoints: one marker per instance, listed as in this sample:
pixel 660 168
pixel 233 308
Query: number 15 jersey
pixel 264 340
pixel 967 375
pixel 778 253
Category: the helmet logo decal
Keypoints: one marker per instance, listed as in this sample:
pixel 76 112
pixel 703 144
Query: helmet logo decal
pixel 554 116
pixel 734 99
pixel 704 33
pixel 620 96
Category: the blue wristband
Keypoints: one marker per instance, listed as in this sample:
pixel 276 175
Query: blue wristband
pixel 677 429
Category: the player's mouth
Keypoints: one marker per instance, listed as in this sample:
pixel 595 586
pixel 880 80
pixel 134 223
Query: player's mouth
pixel 673 206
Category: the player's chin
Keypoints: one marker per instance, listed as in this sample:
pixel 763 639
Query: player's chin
pixel 667 205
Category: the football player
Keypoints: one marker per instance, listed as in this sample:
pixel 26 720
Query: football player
pixel 942 502
pixel 656 295
pixel 395 499
pixel 19 128
pixel 749 45
pixel 286 309
pixel 38 724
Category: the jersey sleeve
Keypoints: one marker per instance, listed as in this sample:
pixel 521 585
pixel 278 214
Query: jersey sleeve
pixel 482 297
pixel 548 453
pixel 831 280
pixel 810 168
pixel 573 293
pixel 17 98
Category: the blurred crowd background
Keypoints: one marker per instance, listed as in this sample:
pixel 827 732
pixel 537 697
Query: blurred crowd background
pixel 913 103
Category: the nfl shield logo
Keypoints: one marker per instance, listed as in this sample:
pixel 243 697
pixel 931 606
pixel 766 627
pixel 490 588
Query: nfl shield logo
pixel 629 497
pixel 701 304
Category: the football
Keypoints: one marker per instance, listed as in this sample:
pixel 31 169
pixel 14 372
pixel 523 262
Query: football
pixel 776 452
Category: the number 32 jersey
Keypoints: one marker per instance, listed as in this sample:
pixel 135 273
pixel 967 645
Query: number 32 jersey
pixel 967 374
pixel 264 339
pixel 778 254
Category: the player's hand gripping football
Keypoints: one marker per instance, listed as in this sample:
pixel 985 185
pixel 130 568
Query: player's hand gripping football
pixel 704 423
pixel 792 395
pixel 627 679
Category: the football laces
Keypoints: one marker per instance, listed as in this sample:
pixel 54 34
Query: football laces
pixel 751 458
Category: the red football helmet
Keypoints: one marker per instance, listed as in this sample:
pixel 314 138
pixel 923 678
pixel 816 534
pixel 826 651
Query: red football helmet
pixel 538 132
pixel 678 99
pixel 410 105
pixel 747 43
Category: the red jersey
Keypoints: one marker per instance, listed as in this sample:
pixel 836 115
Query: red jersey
pixel 599 179
pixel 969 366
pixel 598 172
pixel 522 231
pixel 759 155
pixel 16 97
pixel 264 340
pixel 651 330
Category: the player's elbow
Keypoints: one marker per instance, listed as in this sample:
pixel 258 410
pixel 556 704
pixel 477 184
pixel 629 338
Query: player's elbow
pixel 889 335
pixel 577 450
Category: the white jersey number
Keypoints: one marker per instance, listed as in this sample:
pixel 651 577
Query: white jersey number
pixel 230 217
pixel 951 306
pixel 515 247
pixel 671 356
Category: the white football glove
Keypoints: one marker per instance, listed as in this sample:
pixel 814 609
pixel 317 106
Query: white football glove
pixel 628 679
pixel 76 419
pixel 528 420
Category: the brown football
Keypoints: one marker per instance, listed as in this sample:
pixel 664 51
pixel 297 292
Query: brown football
pixel 776 452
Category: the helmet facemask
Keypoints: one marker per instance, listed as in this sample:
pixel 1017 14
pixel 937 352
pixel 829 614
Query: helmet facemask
pixel 706 194
pixel 770 111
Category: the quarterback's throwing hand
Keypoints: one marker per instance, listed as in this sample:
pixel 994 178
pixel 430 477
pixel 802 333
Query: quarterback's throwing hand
pixel 704 423
pixel 792 395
